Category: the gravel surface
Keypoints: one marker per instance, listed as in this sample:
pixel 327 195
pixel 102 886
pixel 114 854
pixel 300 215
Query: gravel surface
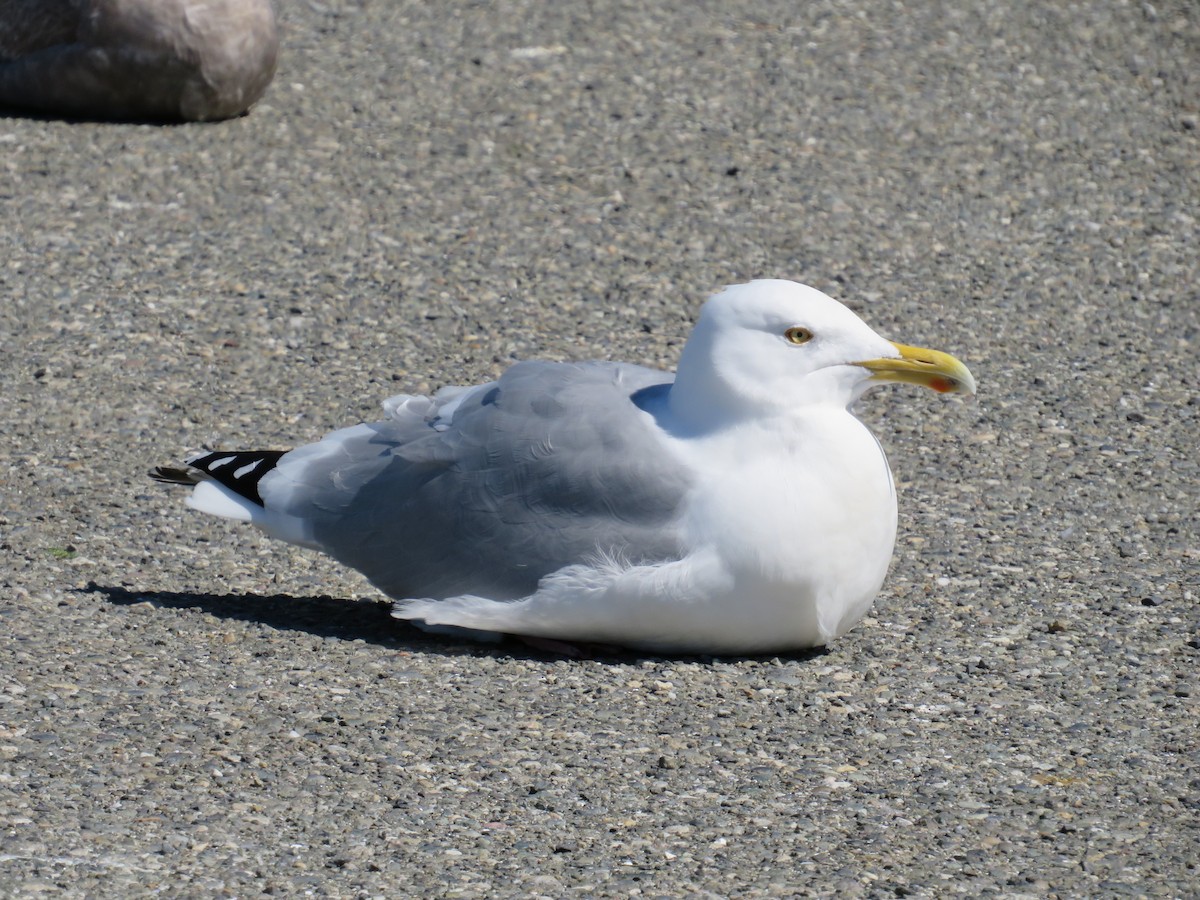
pixel 431 191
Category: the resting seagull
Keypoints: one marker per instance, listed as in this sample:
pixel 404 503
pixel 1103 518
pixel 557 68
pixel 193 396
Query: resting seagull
pixel 737 507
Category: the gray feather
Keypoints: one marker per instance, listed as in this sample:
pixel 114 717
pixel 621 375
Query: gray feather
pixel 558 456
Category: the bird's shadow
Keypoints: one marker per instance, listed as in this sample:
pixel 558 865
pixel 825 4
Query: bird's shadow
pixel 323 616
pixel 371 621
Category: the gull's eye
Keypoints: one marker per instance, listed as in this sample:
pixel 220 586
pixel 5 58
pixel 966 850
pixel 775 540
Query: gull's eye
pixel 798 335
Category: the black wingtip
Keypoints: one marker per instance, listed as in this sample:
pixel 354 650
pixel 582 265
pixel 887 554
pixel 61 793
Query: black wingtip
pixel 172 475
pixel 239 470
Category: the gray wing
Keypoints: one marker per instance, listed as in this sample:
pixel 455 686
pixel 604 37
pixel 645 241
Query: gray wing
pixel 552 464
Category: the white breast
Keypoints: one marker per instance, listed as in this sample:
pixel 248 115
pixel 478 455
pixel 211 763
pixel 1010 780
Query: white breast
pixel 801 514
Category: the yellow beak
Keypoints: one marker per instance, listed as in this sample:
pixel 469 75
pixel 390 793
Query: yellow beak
pixel 930 368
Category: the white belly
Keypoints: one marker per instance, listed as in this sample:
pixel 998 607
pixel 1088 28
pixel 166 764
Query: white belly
pixel 787 538
pixel 802 521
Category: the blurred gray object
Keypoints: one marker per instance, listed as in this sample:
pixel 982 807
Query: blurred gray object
pixel 190 60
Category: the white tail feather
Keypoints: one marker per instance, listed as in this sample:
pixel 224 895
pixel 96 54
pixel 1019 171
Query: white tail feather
pixel 218 500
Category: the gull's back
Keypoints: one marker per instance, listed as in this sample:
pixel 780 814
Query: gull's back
pixel 486 490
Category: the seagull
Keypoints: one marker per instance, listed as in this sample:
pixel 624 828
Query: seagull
pixel 188 60
pixel 735 508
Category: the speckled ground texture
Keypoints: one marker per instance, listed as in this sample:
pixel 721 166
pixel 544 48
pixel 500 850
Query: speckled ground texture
pixel 431 191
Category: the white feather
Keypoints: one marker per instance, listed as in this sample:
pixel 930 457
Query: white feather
pixel 217 500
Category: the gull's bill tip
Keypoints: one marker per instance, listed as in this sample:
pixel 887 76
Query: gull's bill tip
pixel 929 368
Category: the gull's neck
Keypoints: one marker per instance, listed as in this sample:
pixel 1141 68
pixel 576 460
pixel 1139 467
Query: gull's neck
pixel 704 397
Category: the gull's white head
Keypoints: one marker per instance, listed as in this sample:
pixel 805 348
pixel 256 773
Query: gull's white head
pixel 778 345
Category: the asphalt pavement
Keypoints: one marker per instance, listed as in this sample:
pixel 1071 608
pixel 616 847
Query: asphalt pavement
pixel 429 192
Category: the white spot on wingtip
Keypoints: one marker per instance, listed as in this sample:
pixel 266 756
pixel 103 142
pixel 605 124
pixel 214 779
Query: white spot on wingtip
pixel 247 469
